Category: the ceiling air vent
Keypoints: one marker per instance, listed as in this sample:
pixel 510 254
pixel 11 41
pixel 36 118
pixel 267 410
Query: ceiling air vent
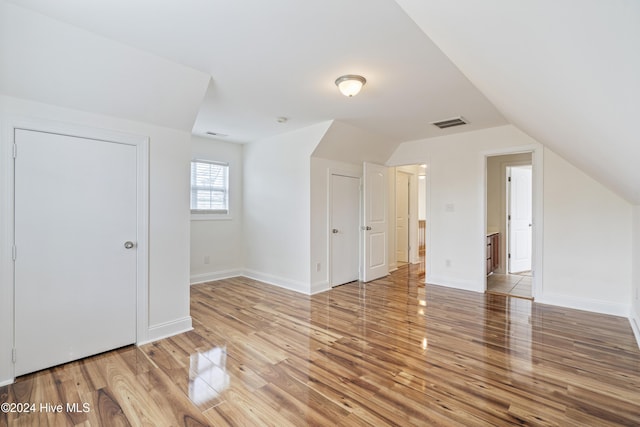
pixel 216 134
pixel 449 123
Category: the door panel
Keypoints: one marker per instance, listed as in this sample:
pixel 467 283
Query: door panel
pixel 75 282
pixel 375 222
pixel 402 217
pixel 345 227
pixel 520 211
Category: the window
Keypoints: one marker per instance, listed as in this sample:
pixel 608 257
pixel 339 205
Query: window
pixel 209 187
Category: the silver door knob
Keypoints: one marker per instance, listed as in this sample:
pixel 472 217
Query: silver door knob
pixel 334 231
pixel 367 228
pixel 128 245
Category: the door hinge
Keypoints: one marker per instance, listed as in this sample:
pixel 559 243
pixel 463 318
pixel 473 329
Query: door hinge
pixel 13 355
pixel 509 217
pixel 15 150
pixel 509 256
pixel 509 179
pixel 14 252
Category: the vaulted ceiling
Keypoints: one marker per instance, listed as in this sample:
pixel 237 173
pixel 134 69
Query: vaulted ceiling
pixel 566 72
pixel 280 58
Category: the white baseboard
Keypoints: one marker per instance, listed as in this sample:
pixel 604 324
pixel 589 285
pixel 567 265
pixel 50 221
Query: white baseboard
pixel 635 326
pixel 215 275
pixel 319 287
pixel 448 282
pixel 292 285
pixel 586 304
pixel 7 382
pixel 155 333
pixel 168 329
pixel 270 279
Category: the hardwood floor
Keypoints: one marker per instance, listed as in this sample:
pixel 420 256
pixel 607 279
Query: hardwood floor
pixel 391 352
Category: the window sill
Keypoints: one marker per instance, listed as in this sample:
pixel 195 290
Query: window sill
pixel 211 217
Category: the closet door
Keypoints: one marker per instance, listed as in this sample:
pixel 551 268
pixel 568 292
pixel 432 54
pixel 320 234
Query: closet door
pixel 75 240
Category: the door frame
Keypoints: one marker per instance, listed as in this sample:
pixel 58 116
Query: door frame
pixel 537 159
pixel 338 172
pixel 7 282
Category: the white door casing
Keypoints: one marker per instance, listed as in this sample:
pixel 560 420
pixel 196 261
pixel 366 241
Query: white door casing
pixel 344 229
pixel 76 204
pixel 519 218
pixel 374 228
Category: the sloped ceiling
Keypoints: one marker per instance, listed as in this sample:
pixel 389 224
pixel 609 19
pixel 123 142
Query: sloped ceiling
pixel 275 58
pixel 567 72
pixel 351 144
pixel 45 60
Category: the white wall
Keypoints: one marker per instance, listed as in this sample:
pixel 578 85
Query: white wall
pixel 455 216
pixel 586 257
pixel 277 207
pixel 218 240
pixel 587 241
pixel 422 196
pixel 169 154
pixel 320 175
pixel 635 292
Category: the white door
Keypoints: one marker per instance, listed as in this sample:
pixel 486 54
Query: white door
pixel 374 230
pixel 519 219
pixel 345 229
pixel 75 275
pixel 402 217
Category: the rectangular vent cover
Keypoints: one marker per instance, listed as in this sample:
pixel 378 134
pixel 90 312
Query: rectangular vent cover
pixel 456 121
pixel 216 134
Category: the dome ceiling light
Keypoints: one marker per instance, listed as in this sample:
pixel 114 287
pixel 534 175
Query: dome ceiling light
pixel 350 84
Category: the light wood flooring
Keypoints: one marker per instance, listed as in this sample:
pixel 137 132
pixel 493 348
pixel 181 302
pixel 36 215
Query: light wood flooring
pixel 515 285
pixel 391 352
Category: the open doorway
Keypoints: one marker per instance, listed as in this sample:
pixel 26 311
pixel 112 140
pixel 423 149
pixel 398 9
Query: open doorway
pixel 407 206
pixel 509 204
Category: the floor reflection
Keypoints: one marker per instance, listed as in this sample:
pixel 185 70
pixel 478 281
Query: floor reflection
pixel 208 376
pixel 508 330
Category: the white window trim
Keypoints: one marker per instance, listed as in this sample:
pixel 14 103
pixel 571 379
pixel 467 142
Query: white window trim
pixel 211 215
pixel 196 216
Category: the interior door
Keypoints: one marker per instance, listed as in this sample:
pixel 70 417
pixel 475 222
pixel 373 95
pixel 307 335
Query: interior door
pixel 345 229
pixel 402 217
pixel 520 216
pixel 75 239
pixel 374 229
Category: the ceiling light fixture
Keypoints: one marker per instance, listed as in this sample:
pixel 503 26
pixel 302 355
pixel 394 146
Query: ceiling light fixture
pixel 350 84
